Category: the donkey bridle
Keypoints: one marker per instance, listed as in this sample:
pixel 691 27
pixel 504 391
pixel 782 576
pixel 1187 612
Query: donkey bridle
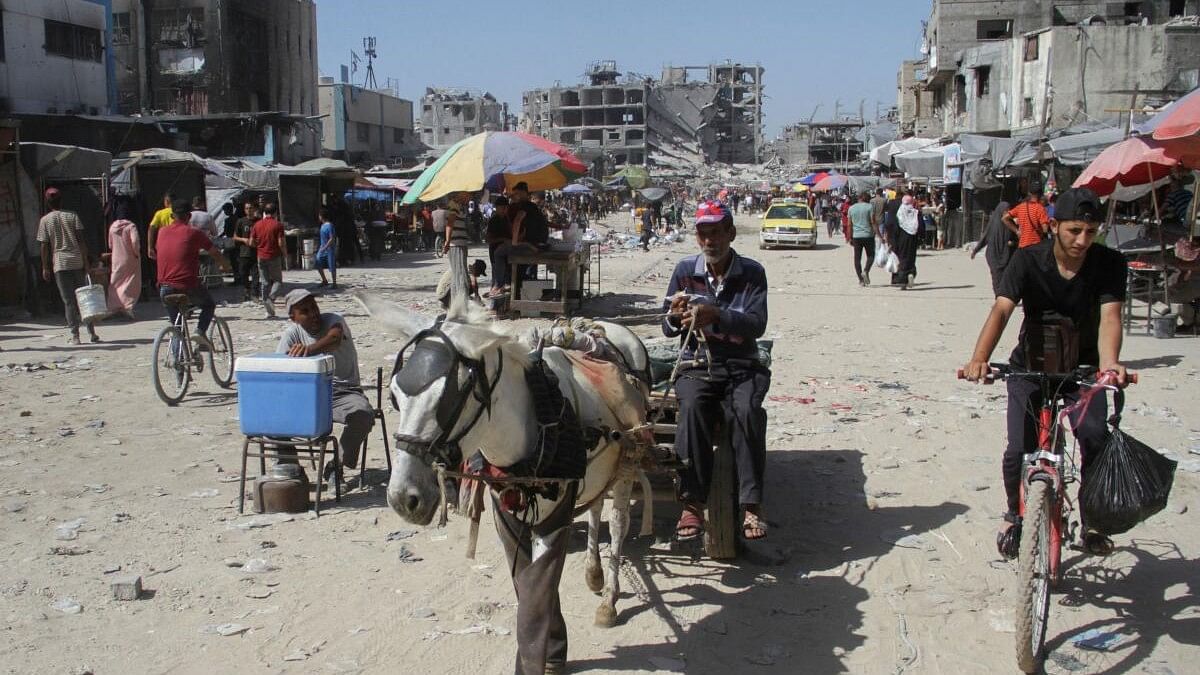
pixel 435 357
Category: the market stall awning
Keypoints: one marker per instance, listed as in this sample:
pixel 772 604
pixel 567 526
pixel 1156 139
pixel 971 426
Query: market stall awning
pixel 884 153
pixel 1081 149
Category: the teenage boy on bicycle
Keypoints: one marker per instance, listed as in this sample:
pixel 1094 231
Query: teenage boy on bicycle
pixel 1072 290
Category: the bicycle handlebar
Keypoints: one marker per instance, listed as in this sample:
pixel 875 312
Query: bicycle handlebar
pixel 1001 371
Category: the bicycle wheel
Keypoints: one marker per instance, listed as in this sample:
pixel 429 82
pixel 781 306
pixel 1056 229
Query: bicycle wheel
pixel 1033 578
pixel 220 359
pixel 171 369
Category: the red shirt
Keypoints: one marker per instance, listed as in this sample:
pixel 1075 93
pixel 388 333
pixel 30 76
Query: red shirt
pixel 267 233
pixel 178 247
pixel 1032 219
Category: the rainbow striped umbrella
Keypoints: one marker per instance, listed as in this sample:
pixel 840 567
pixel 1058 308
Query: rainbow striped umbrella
pixel 496 160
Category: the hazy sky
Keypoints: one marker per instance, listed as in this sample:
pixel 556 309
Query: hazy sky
pixel 813 53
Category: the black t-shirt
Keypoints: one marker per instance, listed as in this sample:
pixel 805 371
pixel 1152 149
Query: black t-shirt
pixel 536 228
pixel 244 225
pixel 498 227
pixel 1032 278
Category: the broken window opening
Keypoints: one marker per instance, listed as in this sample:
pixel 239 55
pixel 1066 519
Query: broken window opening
pixel 1031 48
pixel 121 35
pixel 362 132
pixel 73 42
pixel 1027 108
pixel 983 81
pixel 993 29
pixel 178 27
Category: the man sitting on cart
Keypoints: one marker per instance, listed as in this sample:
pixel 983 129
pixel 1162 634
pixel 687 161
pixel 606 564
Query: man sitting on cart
pixel 717 304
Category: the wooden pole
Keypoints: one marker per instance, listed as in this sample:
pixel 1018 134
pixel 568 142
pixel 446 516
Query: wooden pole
pixel 1162 243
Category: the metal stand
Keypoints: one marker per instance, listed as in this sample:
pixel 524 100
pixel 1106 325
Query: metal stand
pixel 288 448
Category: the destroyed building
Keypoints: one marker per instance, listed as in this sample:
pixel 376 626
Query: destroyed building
pixel 449 115
pixel 1027 67
pixel 617 119
pixel 365 127
pixel 205 57
pixel 825 145
pixel 54 57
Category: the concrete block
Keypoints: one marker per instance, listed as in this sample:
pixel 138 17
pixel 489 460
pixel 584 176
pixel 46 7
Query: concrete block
pixel 127 587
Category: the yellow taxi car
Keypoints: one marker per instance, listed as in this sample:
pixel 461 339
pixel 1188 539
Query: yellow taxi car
pixel 788 222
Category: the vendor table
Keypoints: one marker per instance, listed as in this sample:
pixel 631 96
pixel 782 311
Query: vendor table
pixel 565 265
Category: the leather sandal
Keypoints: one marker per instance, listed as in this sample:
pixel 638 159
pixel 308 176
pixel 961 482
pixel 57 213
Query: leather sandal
pixel 754 526
pixel 691 523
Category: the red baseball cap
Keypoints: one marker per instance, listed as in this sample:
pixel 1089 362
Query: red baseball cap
pixel 711 212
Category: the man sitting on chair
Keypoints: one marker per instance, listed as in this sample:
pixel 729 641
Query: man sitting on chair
pixel 311 333
pixel 721 297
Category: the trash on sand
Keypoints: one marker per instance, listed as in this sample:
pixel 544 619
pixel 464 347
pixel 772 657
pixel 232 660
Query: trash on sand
pixel 400 534
pixel 1100 640
pixel 258 566
pixel 407 556
pixel 225 629
pixel 67 606
pixel 802 400
pixel 262 521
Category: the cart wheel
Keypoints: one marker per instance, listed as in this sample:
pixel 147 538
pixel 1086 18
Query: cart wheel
pixel 721 528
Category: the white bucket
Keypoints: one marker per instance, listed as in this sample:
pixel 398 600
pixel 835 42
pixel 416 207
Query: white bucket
pixel 310 247
pixel 308 262
pixel 92 303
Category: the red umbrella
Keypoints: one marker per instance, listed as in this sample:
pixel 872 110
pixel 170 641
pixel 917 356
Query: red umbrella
pixel 1133 161
pixel 1181 119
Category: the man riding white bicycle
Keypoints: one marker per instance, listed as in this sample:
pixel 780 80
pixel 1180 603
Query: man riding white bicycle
pixel 1072 290
pixel 178 247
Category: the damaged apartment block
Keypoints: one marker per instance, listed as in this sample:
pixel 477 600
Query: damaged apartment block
pixel 450 115
pixel 617 119
pixel 200 57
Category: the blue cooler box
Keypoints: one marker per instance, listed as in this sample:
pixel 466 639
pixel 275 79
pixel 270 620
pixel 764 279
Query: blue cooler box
pixel 281 395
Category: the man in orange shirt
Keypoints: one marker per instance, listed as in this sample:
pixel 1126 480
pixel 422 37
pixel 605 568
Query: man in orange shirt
pixel 1029 220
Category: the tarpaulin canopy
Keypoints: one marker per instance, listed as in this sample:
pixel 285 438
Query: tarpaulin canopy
pixel 1081 149
pixel 577 189
pixel 632 176
pixel 868 183
pixel 1002 152
pixel 926 162
pixel 884 153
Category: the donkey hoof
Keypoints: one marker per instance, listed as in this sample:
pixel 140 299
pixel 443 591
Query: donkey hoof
pixel 606 616
pixel 595 578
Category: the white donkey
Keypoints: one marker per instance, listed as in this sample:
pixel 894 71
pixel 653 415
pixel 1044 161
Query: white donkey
pixel 475 397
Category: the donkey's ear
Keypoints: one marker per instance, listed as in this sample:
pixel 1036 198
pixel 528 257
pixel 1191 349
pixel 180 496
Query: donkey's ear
pixel 395 317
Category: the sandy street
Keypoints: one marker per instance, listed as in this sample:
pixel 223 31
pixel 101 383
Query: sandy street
pixel 883 494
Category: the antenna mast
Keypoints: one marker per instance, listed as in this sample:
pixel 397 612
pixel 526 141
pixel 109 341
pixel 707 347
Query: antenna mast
pixel 369 50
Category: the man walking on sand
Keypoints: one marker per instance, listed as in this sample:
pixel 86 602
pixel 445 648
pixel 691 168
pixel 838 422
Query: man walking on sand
pixel 65 259
pixel 862 237
pixel 267 238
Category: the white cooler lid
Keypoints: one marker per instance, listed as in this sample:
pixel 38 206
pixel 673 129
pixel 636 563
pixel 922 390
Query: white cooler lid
pixel 282 363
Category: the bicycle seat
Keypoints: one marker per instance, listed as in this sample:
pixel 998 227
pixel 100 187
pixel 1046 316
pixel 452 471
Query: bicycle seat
pixel 179 300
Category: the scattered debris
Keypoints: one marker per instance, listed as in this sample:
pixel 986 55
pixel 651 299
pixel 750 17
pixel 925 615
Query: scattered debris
pixel 407 556
pixel 262 521
pixel 225 629
pixel 67 606
pixel 258 566
pixel 207 492
pixel 1100 640
pixel 400 534
pixel 69 550
pixel 127 587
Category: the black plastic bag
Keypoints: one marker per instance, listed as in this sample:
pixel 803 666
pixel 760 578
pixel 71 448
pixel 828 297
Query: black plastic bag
pixel 1127 483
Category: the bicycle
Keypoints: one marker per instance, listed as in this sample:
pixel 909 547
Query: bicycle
pixel 175 356
pixel 1045 507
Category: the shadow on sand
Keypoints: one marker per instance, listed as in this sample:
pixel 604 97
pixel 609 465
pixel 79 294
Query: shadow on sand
pixel 793 614
pixel 1149 585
